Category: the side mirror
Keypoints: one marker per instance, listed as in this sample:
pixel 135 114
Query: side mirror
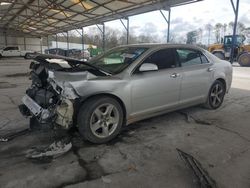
pixel 148 67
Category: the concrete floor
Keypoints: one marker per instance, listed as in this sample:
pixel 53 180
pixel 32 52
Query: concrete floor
pixel 144 155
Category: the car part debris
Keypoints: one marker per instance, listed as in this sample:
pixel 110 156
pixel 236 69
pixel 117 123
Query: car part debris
pixel 203 177
pixel 106 180
pixel 11 136
pixel 65 113
pixel 54 150
pixel 190 118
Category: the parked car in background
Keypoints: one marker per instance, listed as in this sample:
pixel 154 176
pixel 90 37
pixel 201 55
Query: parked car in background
pixel 72 53
pixel 56 51
pixel 13 51
pixel 124 85
pixel 85 55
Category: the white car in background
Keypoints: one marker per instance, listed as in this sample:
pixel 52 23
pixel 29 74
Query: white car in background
pixel 13 51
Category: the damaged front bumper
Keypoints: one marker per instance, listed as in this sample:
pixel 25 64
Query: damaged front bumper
pixel 61 114
pixel 50 99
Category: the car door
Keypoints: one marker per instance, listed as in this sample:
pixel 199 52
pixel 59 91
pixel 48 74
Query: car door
pixel 15 51
pixel 153 91
pixel 197 74
pixel 11 51
pixel 6 51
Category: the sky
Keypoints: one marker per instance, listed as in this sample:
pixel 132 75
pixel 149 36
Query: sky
pixel 186 18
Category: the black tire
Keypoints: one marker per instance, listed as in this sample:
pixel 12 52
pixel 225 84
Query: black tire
pixel 1 56
pixel 220 55
pixel 244 59
pixel 34 124
pixel 86 115
pixel 214 100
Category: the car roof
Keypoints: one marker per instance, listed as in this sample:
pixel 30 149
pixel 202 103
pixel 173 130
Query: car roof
pixel 159 45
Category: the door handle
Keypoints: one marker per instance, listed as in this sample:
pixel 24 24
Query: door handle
pixel 174 75
pixel 210 69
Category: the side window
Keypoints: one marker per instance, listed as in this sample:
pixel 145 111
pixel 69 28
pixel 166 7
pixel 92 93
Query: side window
pixel 164 59
pixel 204 58
pixel 15 48
pixel 6 49
pixel 189 57
pixel 12 48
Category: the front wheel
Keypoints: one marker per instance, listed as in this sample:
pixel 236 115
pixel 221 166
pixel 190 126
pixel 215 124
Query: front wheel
pixel 216 95
pixel 244 59
pixel 100 119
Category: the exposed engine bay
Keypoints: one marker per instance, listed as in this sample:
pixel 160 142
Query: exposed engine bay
pixel 47 100
pixel 43 101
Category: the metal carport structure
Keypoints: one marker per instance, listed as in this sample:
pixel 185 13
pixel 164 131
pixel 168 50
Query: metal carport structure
pixel 40 18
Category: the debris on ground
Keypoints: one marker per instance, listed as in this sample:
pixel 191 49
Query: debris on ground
pixel 106 180
pixel 18 74
pixel 202 176
pixel 54 150
pixel 11 136
pixel 190 118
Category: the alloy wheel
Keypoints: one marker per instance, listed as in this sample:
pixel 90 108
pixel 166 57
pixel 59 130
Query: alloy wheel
pixel 217 95
pixel 104 120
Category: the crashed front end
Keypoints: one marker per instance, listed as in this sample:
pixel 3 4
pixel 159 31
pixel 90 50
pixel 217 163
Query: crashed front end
pixel 48 101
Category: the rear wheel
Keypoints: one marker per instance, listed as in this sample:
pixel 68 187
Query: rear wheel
pixel 216 95
pixel 100 119
pixel 244 59
pixel 220 55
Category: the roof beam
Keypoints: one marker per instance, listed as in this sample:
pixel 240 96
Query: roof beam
pixel 39 13
pixel 19 12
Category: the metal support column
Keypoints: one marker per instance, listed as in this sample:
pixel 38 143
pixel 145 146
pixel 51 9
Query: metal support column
pixel 169 14
pixel 168 22
pixel 48 43
pixel 82 39
pixel 236 11
pixel 41 44
pixel 5 37
pixel 67 40
pixel 24 41
pixel 103 35
pixel 126 27
pixel 56 42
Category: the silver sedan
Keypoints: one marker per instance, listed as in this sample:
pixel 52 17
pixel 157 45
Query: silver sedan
pixel 124 85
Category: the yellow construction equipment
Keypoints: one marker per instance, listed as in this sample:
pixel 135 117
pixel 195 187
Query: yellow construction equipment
pixel 241 52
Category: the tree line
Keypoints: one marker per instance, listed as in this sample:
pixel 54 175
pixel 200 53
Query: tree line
pixel 214 33
pixel 113 37
pixel 205 35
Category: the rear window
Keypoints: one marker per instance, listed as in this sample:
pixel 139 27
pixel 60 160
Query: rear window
pixel 188 57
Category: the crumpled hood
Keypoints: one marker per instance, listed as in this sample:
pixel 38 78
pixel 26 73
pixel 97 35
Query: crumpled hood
pixel 83 83
pixel 61 76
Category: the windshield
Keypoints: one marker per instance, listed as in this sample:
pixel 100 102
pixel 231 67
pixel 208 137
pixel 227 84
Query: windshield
pixel 118 59
pixel 229 40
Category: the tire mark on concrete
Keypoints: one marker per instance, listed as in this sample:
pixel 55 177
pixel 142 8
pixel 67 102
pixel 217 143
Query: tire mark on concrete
pixel 189 118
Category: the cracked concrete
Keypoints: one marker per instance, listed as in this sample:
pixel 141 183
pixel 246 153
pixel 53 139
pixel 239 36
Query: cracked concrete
pixel 143 155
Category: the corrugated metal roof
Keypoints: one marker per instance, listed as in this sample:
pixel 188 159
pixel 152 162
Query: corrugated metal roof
pixel 43 17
